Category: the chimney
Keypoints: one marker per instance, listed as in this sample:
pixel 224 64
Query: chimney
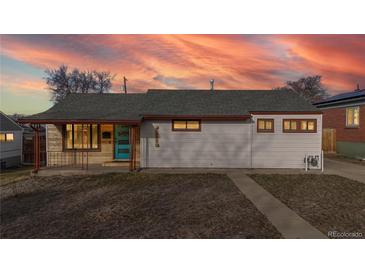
pixel 211 86
pixel 358 87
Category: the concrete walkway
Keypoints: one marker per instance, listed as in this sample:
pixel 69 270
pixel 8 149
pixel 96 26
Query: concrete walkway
pixel 286 221
pixel 348 170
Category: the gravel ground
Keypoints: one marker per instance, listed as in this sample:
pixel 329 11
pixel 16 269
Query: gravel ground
pixel 130 206
pixel 328 202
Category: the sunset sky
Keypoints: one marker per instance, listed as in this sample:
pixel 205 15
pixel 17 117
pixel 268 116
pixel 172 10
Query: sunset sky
pixel 178 61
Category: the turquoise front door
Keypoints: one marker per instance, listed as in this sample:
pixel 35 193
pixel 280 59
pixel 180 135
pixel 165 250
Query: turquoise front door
pixel 121 142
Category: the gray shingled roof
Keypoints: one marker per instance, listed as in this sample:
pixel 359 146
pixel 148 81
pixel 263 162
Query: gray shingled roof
pixel 7 124
pixel 109 106
pixel 222 102
pixel 174 103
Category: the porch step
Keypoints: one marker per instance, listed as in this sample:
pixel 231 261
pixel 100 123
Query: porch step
pixel 116 163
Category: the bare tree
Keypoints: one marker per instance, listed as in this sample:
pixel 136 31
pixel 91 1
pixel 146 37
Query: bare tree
pixel 103 81
pixel 61 82
pixel 58 81
pixel 309 87
pixel 87 82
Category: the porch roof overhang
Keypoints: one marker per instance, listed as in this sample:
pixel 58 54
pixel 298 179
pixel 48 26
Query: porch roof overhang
pixel 198 117
pixel 78 121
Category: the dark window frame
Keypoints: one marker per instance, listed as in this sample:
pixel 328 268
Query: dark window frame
pixel 298 123
pixel 265 130
pixel 64 136
pixel 186 123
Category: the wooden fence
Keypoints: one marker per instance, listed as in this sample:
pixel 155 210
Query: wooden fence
pixel 329 140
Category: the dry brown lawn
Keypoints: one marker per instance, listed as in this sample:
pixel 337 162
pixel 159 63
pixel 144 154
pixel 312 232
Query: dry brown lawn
pixel 328 202
pixel 130 206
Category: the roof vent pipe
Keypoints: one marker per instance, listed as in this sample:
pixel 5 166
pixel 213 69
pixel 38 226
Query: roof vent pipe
pixel 211 86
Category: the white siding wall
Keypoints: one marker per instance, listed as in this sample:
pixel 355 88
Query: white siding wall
pixel 285 150
pixel 218 144
pixel 228 145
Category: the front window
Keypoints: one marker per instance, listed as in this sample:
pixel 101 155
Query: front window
pixel 299 125
pixel 353 117
pixel 81 136
pixel 6 137
pixel 265 125
pixel 186 125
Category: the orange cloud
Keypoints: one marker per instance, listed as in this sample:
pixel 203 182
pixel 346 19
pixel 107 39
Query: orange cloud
pixel 339 59
pixel 22 86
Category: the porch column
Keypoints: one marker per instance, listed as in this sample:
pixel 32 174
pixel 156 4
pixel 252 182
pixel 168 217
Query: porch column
pixel 131 156
pixel 132 159
pixel 37 148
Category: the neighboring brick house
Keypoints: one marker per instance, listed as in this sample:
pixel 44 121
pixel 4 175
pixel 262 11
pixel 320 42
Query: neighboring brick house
pixel 346 114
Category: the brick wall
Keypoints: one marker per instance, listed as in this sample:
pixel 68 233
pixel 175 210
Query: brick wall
pixel 336 118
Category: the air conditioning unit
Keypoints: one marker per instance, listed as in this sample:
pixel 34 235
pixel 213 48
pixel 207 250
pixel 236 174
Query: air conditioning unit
pixel 313 161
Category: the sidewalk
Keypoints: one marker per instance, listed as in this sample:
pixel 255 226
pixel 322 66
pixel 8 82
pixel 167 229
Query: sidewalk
pixel 286 221
pixel 348 170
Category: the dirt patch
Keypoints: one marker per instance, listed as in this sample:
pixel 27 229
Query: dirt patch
pixel 130 206
pixel 328 202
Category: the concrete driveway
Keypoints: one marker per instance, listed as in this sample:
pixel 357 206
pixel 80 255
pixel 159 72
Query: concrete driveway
pixel 348 170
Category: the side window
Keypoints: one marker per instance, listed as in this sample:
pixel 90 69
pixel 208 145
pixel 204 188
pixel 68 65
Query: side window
pixel 299 125
pixel 186 125
pixel 353 117
pixel 265 125
pixel 6 137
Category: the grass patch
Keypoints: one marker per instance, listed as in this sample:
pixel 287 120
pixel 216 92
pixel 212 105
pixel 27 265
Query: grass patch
pixel 9 176
pixel 130 206
pixel 328 202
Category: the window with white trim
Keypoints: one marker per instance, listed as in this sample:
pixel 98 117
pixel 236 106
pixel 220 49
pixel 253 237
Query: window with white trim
pixel 353 117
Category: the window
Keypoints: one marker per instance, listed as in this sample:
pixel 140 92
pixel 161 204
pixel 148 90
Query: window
pixel 81 136
pixel 186 125
pixel 9 137
pixel 353 117
pixel 265 125
pixel 299 125
pixel 6 137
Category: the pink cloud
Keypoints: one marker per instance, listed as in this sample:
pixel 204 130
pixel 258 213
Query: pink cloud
pixel 170 61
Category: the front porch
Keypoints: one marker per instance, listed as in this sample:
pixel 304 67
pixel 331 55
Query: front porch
pixel 78 148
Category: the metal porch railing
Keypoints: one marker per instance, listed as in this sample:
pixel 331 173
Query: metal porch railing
pixel 72 158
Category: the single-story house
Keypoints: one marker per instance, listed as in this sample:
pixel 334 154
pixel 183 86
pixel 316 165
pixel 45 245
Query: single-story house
pixel 184 129
pixel 11 139
pixel 345 114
